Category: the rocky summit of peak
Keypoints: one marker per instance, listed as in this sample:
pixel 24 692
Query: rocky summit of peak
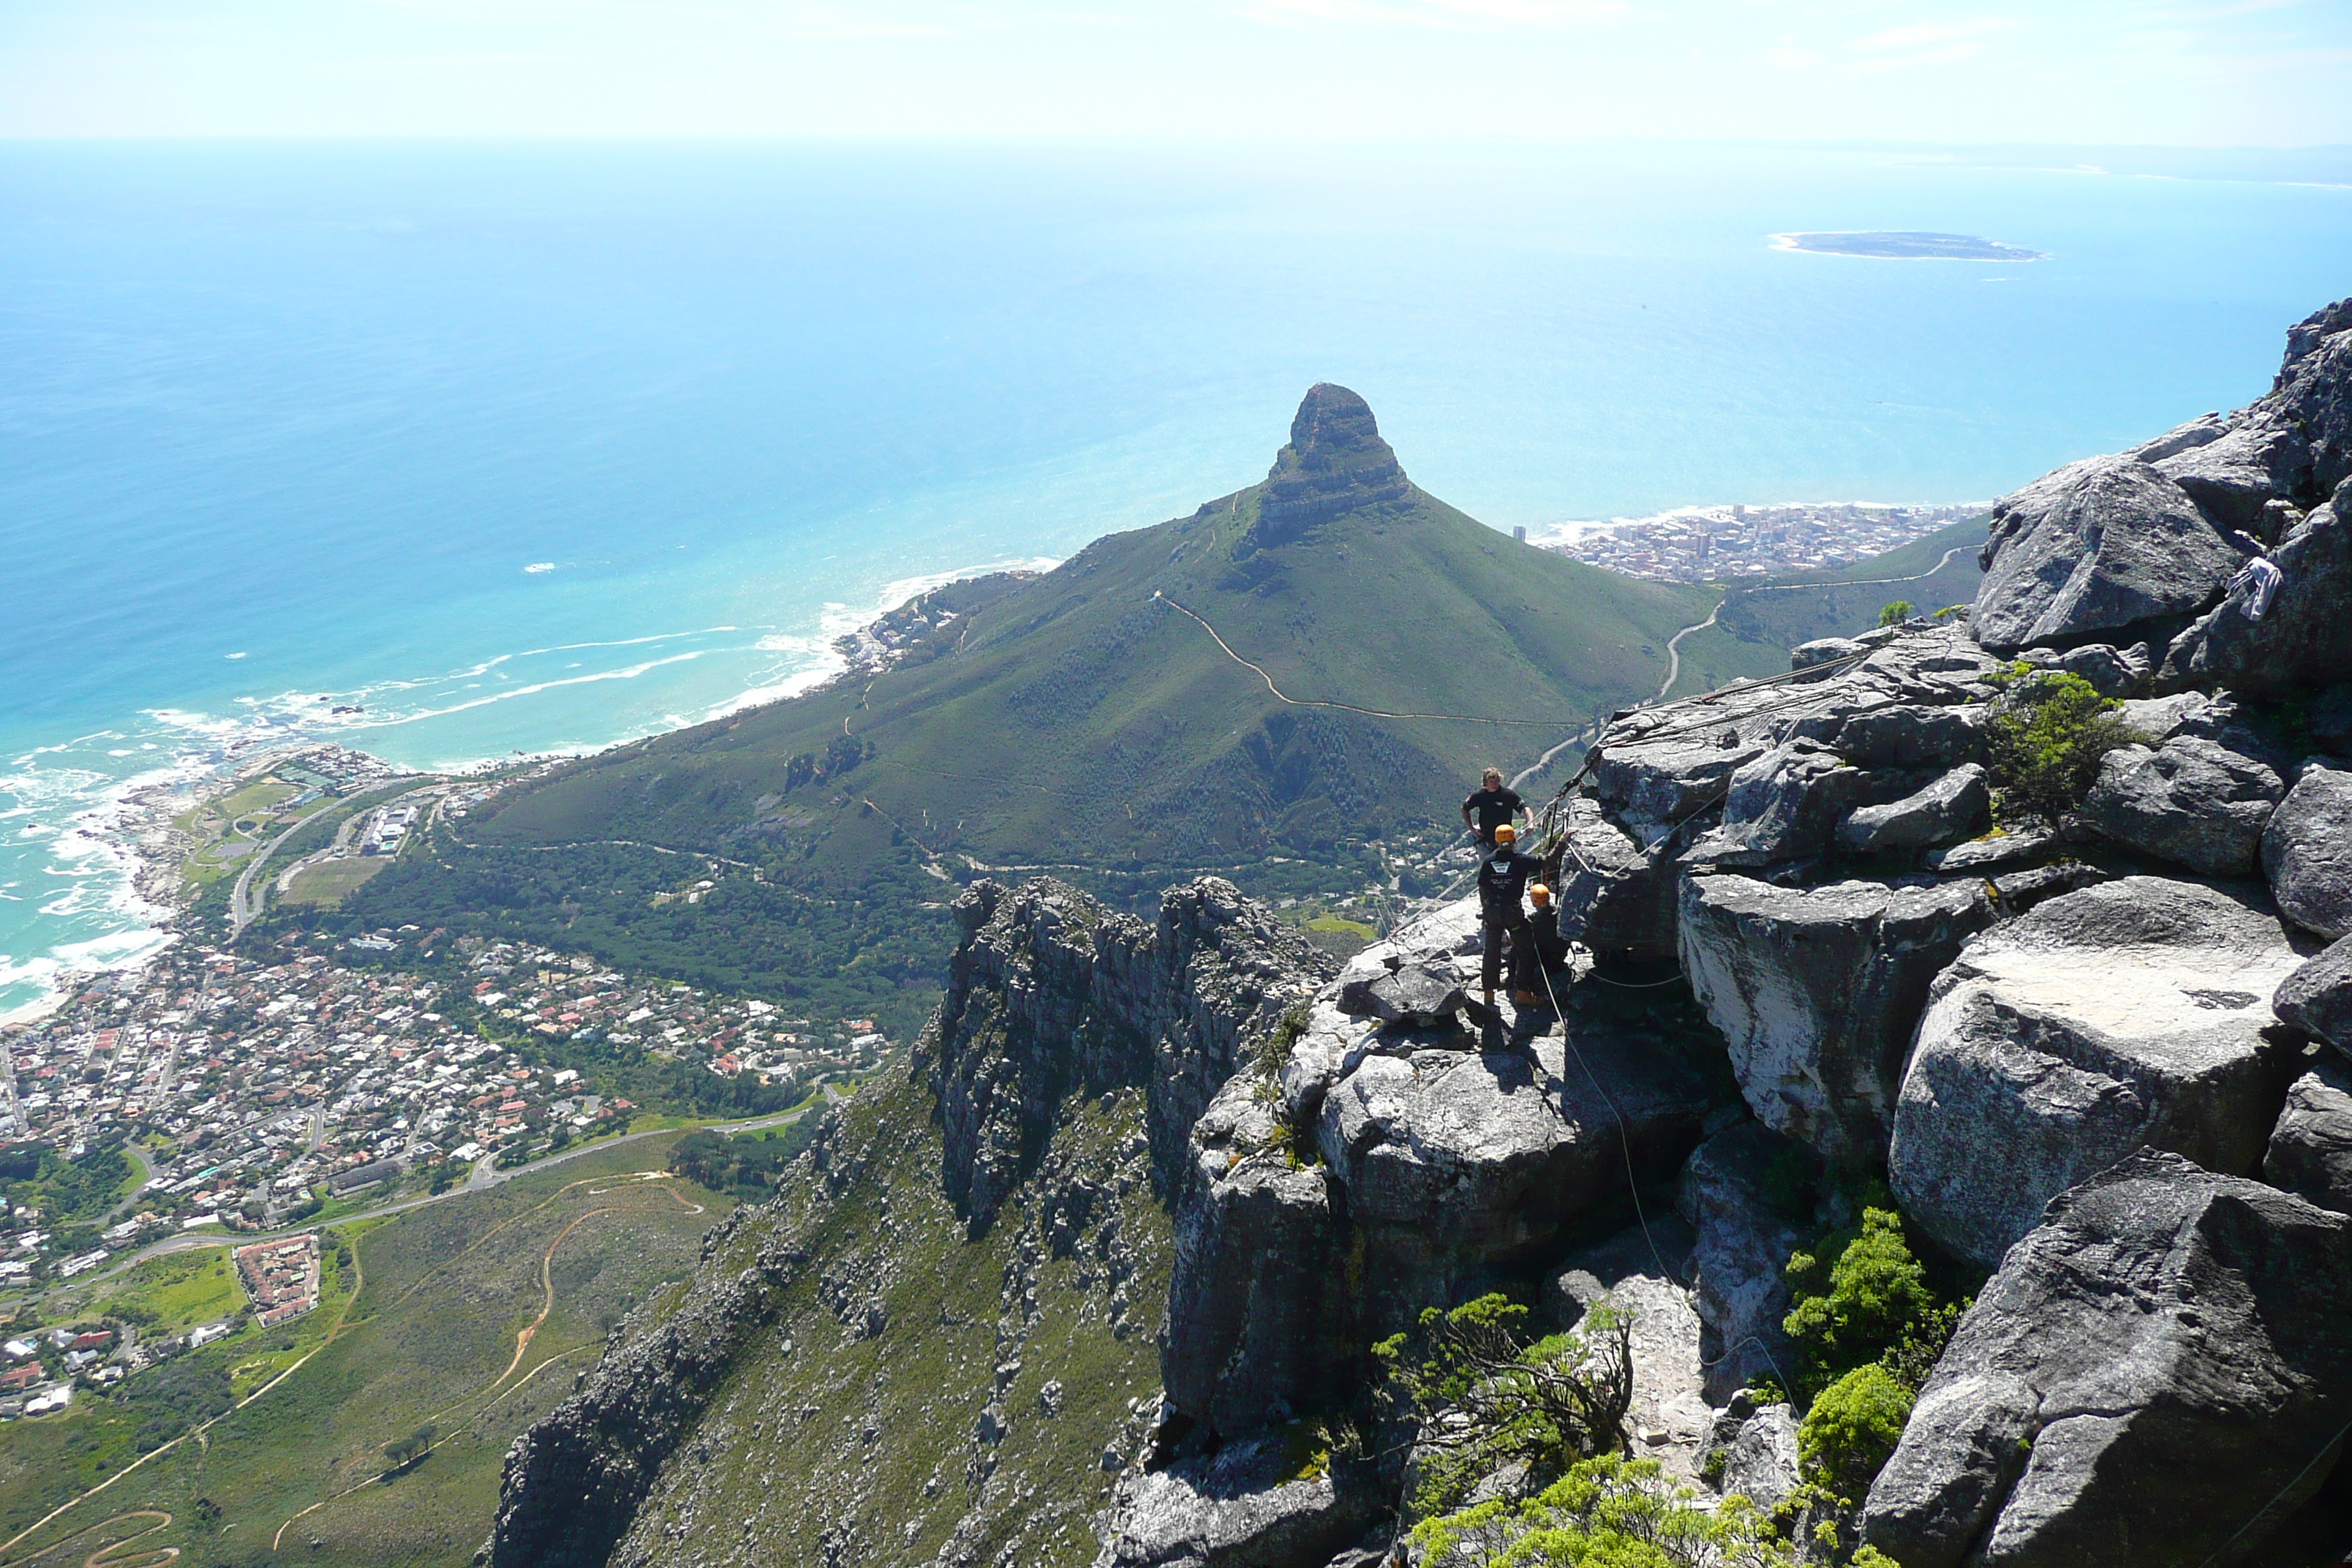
pixel 1335 462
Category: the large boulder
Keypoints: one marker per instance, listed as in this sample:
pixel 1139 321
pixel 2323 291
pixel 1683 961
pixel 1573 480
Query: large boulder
pixel 1239 1507
pixel 2190 801
pixel 2094 549
pixel 2317 997
pixel 1737 1193
pixel 1455 1161
pixel 2301 637
pixel 1817 992
pixel 1910 735
pixel 1613 895
pixel 2127 1016
pixel 2307 851
pixel 1953 808
pixel 1418 995
pixel 2154 1377
pixel 2311 1148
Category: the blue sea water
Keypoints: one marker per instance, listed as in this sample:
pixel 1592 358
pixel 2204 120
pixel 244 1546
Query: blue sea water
pixel 530 447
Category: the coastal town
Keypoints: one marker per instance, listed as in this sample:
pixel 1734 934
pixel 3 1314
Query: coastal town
pixel 267 1087
pixel 1707 545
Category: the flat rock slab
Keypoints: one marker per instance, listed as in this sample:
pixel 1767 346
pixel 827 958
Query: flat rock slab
pixel 1817 990
pixel 1952 808
pixel 1236 1508
pixel 2127 1015
pixel 2147 1371
pixel 2307 851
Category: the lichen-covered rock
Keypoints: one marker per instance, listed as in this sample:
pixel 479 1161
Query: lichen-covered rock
pixel 1761 1464
pixel 2317 997
pixel 2310 1152
pixel 2127 1015
pixel 1818 990
pixel 2148 1372
pixel 1733 1194
pixel 1954 807
pixel 2096 548
pixel 2192 802
pixel 1237 1508
pixel 1911 735
pixel 2307 851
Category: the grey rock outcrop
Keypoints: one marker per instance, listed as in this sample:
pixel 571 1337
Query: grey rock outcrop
pixel 2038 1063
pixel 1818 990
pixel 1455 1161
pixel 2111 671
pixel 1956 807
pixel 1613 895
pixel 2148 1368
pixel 1637 1274
pixel 2307 850
pixel 1418 995
pixel 2310 1152
pixel 2099 547
pixel 1237 1508
pixel 1785 805
pixel 2190 801
pixel 2317 997
pixel 1733 1193
pixel 1912 735
pixel 1049 993
pixel 1259 1317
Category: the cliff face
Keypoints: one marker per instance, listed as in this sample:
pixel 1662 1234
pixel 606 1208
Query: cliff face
pixel 936 1342
pixel 1335 462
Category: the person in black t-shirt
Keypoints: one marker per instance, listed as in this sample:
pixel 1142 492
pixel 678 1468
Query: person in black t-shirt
pixel 1502 882
pixel 1489 807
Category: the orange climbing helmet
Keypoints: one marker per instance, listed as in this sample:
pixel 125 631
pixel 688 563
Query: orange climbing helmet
pixel 1506 834
pixel 1540 894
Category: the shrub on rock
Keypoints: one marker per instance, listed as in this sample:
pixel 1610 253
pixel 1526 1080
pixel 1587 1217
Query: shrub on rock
pixel 2049 732
pixel 1852 1430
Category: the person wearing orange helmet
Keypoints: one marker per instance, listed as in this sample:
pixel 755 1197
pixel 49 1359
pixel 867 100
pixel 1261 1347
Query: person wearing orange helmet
pixel 1502 884
pixel 1539 948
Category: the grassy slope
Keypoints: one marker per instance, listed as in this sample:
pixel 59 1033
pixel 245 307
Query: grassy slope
pixel 868 1444
pixel 1075 719
pixel 1758 625
pixel 448 1286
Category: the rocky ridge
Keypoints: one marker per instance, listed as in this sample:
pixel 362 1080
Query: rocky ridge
pixel 2097 1059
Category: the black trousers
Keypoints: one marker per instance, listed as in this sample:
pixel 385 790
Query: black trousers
pixel 1498 930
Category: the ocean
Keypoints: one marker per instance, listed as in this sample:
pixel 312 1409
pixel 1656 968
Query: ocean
pixel 534 446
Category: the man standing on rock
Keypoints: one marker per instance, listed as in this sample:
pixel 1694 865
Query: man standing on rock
pixel 1489 807
pixel 1502 882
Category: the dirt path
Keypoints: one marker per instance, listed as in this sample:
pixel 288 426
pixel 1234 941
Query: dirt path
pixel 196 1434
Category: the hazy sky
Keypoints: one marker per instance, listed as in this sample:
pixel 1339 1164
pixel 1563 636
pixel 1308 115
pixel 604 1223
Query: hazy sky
pixel 2181 72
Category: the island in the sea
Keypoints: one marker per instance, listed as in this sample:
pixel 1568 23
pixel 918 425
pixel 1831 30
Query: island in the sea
pixel 1904 244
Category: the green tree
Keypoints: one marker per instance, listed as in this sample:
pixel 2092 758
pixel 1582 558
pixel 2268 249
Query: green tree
pixel 2049 730
pixel 1896 612
pixel 1482 1396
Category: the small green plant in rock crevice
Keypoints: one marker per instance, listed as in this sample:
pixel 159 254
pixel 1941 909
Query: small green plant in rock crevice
pixel 1860 1296
pixel 2048 732
pixel 1482 1396
pixel 1850 1431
